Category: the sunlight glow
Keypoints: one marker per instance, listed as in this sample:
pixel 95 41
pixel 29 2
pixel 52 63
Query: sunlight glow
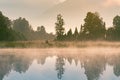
pixel 112 3
pixel 62 1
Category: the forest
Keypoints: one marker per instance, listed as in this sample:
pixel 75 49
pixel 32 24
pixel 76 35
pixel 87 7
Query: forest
pixel 94 28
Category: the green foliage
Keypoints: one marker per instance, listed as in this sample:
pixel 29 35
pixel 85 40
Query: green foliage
pixel 69 35
pixel 22 26
pixel 116 22
pixel 76 34
pixel 110 34
pixel 59 27
pixel 6 32
pixel 94 27
pixel 41 29
pixel 4 27
pixel 20 30
pixel 114 32
pixel 41 34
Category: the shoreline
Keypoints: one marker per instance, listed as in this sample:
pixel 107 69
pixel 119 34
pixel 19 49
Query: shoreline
pixel 58 44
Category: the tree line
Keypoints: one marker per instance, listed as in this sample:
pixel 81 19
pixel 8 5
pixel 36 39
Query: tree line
pixel 20 29
pixel 94 28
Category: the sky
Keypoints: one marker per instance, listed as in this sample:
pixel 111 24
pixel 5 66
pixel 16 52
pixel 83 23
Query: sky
pixel 44 12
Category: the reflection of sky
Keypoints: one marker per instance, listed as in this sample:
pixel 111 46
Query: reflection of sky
pixel 36 72
pixel 73 72
pixel 47 72
pixel 108 74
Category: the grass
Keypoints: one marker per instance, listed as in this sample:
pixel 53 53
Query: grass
pixel 58 44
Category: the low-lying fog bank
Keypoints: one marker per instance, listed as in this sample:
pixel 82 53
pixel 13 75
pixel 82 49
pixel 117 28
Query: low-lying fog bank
pixel 68 51
pixel 57 44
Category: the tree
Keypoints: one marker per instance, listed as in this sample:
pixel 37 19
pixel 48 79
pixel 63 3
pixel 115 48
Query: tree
pixel 59 28
pixel 5 25
pixel 114 32
pixel 41 29
pixel 6 32
pixel 76 34
pixel 41 34
pixel 22 26
pixel 94 27
pixel 69 35
pixel 116 25
pixel 116 22
pixel 110 33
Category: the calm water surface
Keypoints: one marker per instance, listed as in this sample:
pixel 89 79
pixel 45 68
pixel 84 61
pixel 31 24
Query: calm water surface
pixel 60 64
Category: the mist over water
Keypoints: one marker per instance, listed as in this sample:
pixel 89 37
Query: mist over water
pixel 63 63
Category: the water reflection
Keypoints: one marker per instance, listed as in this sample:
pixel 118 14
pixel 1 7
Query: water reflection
pixel 60 66
pixel 93 64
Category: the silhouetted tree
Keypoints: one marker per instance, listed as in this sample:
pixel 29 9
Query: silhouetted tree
pixel 76 34
pixel 59 28
pixel 5 25
pixel 41 29
pixel 114 32
pixel 116 25
pixel 94 27
pixel 41 34
pixel 69 35
pixel 110 33
pixel 22 26
pixel 6 32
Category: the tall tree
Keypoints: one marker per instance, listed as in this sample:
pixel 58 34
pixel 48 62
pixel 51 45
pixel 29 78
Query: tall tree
pixel 69 35
pixel 59 27
pixel 116 22
pixel 76 34
pixel 5 24
pixel 116 25
pixel 22 26
pixel 6 33
pixel 110 33
pixel 94 27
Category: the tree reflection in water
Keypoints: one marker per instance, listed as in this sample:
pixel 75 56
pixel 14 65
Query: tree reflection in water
pixel 94 65
pixel 60 66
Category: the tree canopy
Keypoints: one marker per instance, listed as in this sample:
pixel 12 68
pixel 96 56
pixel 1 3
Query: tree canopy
pixel 59 27
pixel 94 27
pixel 113 33
pixel 6 32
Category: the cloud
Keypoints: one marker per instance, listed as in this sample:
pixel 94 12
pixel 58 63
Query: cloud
pixel 108 3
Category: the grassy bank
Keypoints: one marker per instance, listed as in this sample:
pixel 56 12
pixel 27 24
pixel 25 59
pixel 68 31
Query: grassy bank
pixel 53 44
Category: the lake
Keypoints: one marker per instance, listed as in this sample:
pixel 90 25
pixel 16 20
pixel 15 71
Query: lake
pixel 60 64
